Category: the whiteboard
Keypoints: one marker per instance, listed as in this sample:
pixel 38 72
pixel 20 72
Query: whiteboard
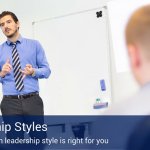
pixel 77 49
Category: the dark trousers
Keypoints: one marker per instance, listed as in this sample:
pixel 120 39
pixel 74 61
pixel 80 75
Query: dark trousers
pixel 27 111
pixel 28 106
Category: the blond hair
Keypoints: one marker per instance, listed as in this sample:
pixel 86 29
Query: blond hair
pixel 138 28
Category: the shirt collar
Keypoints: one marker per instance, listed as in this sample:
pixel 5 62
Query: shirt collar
pixel 20 40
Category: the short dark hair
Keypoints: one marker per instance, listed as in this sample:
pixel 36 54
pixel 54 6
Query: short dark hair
pixel 5 13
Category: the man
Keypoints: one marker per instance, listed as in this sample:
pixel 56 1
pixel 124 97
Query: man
pixel 22 63
pixel 138 42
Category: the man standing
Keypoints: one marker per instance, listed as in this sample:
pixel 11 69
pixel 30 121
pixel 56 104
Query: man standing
pixel 22 63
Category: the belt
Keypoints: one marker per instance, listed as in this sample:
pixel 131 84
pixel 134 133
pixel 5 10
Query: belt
pixel 21 96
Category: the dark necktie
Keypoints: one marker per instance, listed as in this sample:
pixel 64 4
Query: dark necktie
pixel 16 67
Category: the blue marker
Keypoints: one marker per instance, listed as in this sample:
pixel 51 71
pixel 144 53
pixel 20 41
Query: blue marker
pixel 102 84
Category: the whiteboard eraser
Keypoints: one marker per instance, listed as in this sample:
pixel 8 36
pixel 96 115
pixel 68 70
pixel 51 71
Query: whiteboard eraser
pixel 100 105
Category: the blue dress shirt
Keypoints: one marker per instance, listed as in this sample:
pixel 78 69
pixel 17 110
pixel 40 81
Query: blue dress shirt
pixel 30 52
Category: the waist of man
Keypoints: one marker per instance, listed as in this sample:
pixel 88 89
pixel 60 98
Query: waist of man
pixel 23 96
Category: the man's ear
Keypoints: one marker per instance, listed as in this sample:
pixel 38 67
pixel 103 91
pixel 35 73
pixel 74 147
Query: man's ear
pixel 18 24
pixel 134 55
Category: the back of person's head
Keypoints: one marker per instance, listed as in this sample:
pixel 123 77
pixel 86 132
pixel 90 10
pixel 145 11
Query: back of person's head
pixel 5 13
pixel 138 29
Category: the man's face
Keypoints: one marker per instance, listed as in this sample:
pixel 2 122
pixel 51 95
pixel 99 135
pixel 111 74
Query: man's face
pixel 8 26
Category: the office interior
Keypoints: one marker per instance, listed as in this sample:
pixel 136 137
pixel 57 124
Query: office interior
pixel 119 80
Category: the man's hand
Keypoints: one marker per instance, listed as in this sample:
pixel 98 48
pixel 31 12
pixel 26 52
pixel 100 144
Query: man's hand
pixel 6 68
pixel 28 70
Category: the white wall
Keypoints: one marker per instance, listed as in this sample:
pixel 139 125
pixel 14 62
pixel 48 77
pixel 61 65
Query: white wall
pixel 123 83
pixel 33 10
